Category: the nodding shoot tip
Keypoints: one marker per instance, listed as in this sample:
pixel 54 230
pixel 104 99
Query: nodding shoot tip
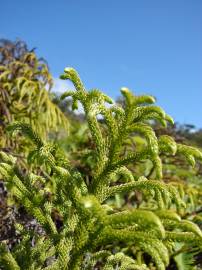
pixel 68 69
pixel 124 89
pixel 63 76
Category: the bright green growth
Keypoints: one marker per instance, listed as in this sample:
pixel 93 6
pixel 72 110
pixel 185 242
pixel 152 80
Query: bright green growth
pixel 90 227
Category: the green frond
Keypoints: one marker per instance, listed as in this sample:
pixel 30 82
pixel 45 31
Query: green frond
pixel 141 218
pixel 71 74
pixel 176 196
pixel 145 241
pixel 67 94
pixel 142 185
pixel 169 119
pixel 100 254
pixel 34 178
pixel 148 133
pixel 168 214
pixel 127 95
pixel 191 227
pixel 182 225
pixel 125 174
pixel 141 113
pixel 186 237
pixel 160 259
pixel 143 100
pixel 63 248
pixel 190 153
pixel 131 158
pixel 7 260
pixel 121 261
pixel 4 76
pixel 27 131
pixel 186 261
pixel 167 145
pixel 5 170
pixel 92 259
pixel 7 158
pixel 157 163
pixel 118 110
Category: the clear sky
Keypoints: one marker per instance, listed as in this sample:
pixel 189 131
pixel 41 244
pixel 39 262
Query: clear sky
pixel 150 46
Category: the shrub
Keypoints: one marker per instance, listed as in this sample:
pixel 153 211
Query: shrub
pixel 25 83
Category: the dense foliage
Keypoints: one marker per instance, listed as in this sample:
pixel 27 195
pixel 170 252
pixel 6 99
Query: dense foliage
pixel 115 194
pixel 25 82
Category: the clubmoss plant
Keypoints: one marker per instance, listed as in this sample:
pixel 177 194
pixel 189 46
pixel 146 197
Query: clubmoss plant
pixel 92 232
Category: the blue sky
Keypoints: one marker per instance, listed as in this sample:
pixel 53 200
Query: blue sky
pixel 152 47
